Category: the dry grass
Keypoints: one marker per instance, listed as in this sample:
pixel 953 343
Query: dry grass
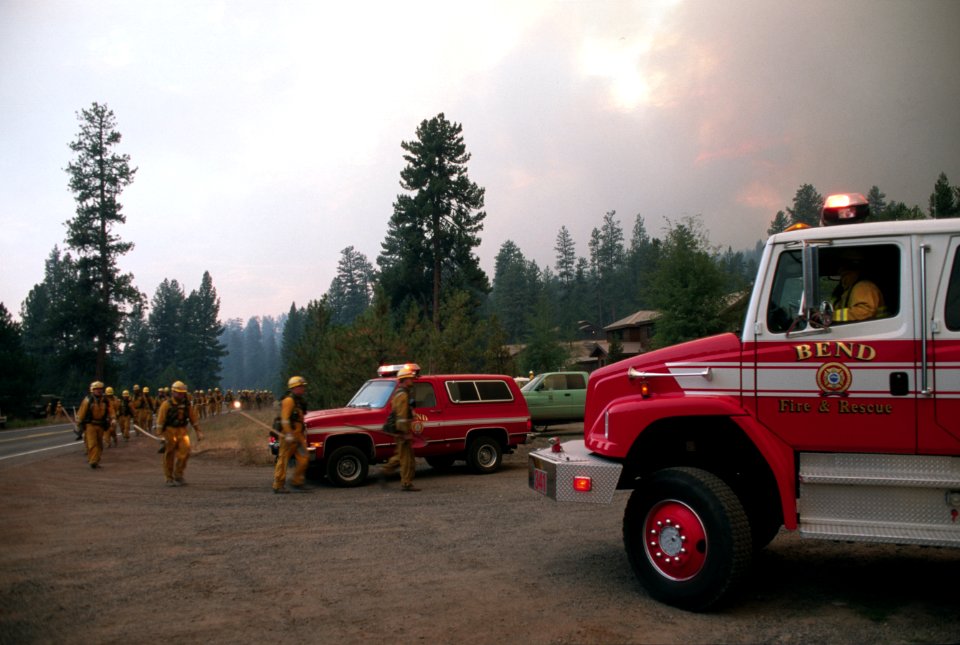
pixel 235 435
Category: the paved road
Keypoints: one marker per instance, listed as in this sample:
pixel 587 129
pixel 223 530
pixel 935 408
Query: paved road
pixel 27 443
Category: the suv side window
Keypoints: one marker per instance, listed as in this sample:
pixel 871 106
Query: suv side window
pixel 423 396
pixel 476 391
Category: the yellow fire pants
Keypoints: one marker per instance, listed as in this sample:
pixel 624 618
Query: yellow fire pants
pixel 176 452
pixel 296 448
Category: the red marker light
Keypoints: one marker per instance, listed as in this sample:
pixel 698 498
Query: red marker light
pixel 582 484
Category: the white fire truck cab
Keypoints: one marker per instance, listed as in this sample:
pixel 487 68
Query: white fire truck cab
pixel 836 413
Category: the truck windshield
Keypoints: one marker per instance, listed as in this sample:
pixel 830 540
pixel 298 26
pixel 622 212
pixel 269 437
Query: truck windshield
pixel 533 385
pixel 373 394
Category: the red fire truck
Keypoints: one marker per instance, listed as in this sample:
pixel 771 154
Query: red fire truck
pixel 833 414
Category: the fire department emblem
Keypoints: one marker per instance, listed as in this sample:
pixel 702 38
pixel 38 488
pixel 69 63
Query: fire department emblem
pixel 834 378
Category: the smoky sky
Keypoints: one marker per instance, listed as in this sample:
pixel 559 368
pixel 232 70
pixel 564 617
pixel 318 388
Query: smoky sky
pixel 267 137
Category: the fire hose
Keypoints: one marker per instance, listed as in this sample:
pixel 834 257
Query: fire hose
pixel 416 439
pixel 142 431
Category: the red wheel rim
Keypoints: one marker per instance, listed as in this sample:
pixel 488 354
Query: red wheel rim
pixel 674 540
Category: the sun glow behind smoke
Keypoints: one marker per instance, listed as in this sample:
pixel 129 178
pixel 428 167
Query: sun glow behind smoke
pixel 625 57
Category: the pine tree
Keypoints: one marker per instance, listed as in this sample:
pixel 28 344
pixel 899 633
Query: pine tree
pixel 200 349
pixel 510 298
pixel 17 375
pixel 165 322
pixel 878 204
pixel 942 199
pixel 52 328
pixel 97 177
pixel 566 258
pixel 351 290
pixel 779 224
pixel 137 347
pixel 688 287
pixel 434 229
pixel 807 206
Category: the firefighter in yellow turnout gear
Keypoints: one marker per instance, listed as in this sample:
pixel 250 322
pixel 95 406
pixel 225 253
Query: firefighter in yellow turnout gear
pixel 403 457
pixel 293 440
pixel 93 419
pixel 172 419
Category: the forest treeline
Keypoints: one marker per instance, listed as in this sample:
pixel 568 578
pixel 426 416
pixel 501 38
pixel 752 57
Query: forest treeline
pixel 424 298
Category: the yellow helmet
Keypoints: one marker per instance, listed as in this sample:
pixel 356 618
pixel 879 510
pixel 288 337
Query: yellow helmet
pixel 96 385
pixel 146 390
pixel 179 386
pixel 109 391
pixel 296 381
pixel 126 393
pixel 406 372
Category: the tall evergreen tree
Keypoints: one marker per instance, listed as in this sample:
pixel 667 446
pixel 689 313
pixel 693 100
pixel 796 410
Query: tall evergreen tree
pixel 254 365
pixel 97 177
pixel 292 333
pixel 511 295
pixel 878 203
pixel 688 287
pixel 607 256
pixel 779 224
pixel 943 199
pixel 640 264
pixel 566 257
pixel 351 290
pixel 232 339
pixel 312 359
pixel 52 328
pixel 137 346
pixel 434 229
pixel 271 354
pixel 16 377
pixel 200 349
pixel 807 205
pixel 165 323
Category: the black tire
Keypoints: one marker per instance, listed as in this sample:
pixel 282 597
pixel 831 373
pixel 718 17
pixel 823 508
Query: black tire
pixel 484 455
pixel 687 538
pixel 347 467
pixel 441 462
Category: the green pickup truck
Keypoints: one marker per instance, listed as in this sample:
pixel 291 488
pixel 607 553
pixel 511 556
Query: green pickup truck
pixel 556 397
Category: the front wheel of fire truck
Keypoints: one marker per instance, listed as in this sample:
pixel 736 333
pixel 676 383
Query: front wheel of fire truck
pixel 347 467
pixel 687 538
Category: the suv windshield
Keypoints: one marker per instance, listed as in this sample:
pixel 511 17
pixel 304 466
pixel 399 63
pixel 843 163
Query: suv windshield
pixel 373 394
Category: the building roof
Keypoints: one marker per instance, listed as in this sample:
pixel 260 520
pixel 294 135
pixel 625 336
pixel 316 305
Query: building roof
pixel 637 319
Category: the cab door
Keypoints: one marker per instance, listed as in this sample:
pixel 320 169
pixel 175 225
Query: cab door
pixel 941 434
pixel 849 387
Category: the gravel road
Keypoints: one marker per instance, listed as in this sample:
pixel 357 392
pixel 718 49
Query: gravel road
pixel 114 556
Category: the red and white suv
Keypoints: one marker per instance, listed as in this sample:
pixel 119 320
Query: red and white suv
pixel 473 417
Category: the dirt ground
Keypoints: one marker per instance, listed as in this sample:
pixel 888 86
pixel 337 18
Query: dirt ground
pixel 114 556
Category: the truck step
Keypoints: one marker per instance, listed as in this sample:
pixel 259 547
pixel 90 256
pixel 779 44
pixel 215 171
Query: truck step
pixel 902 499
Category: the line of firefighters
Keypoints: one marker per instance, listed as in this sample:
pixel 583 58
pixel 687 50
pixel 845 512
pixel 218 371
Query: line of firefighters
pixel 139 407
pixel 102 415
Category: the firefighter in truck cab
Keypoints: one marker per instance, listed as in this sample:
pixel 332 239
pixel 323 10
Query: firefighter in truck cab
pixel 835 413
